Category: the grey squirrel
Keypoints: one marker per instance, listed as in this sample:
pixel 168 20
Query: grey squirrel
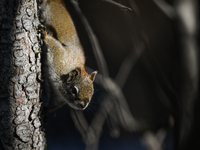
pixel 64 61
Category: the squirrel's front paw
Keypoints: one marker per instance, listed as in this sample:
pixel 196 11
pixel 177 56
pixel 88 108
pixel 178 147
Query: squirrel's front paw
pixel 43 31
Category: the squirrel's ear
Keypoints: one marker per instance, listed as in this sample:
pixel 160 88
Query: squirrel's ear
pixel 77 72
pixel 93 75
pixel 71 76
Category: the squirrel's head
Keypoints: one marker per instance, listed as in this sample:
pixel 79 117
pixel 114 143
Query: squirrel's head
pixel 77 88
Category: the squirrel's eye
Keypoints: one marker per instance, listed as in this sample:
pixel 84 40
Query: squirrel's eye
pixel 74 90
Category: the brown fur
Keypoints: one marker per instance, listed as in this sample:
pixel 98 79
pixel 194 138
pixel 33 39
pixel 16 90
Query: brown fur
pixel 65 60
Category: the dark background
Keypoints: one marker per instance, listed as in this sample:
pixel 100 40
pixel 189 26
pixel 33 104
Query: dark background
pixel 117 35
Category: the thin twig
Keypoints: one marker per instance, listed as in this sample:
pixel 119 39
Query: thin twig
pixel 168 10
pixel 80 122
pixel 154 141
pixel 128 64
pixel 118 4
pixel 95 44
pixel 134 7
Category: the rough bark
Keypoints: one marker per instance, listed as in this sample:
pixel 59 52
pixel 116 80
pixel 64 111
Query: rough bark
pixel 20 76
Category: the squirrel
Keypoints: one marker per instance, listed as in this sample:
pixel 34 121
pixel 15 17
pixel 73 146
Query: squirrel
pixel 64 60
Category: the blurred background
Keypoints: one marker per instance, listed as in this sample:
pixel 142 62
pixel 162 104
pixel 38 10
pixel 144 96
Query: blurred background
pixel 146 91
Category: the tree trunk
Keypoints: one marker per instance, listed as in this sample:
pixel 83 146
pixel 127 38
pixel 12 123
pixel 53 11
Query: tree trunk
pixel 20 76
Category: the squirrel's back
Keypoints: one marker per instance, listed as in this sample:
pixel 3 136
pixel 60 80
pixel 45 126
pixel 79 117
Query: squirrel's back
pixel 60 20
pixel 60 27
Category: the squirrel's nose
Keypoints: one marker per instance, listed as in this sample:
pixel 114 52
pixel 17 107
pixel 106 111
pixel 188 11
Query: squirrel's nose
pixel 83 104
